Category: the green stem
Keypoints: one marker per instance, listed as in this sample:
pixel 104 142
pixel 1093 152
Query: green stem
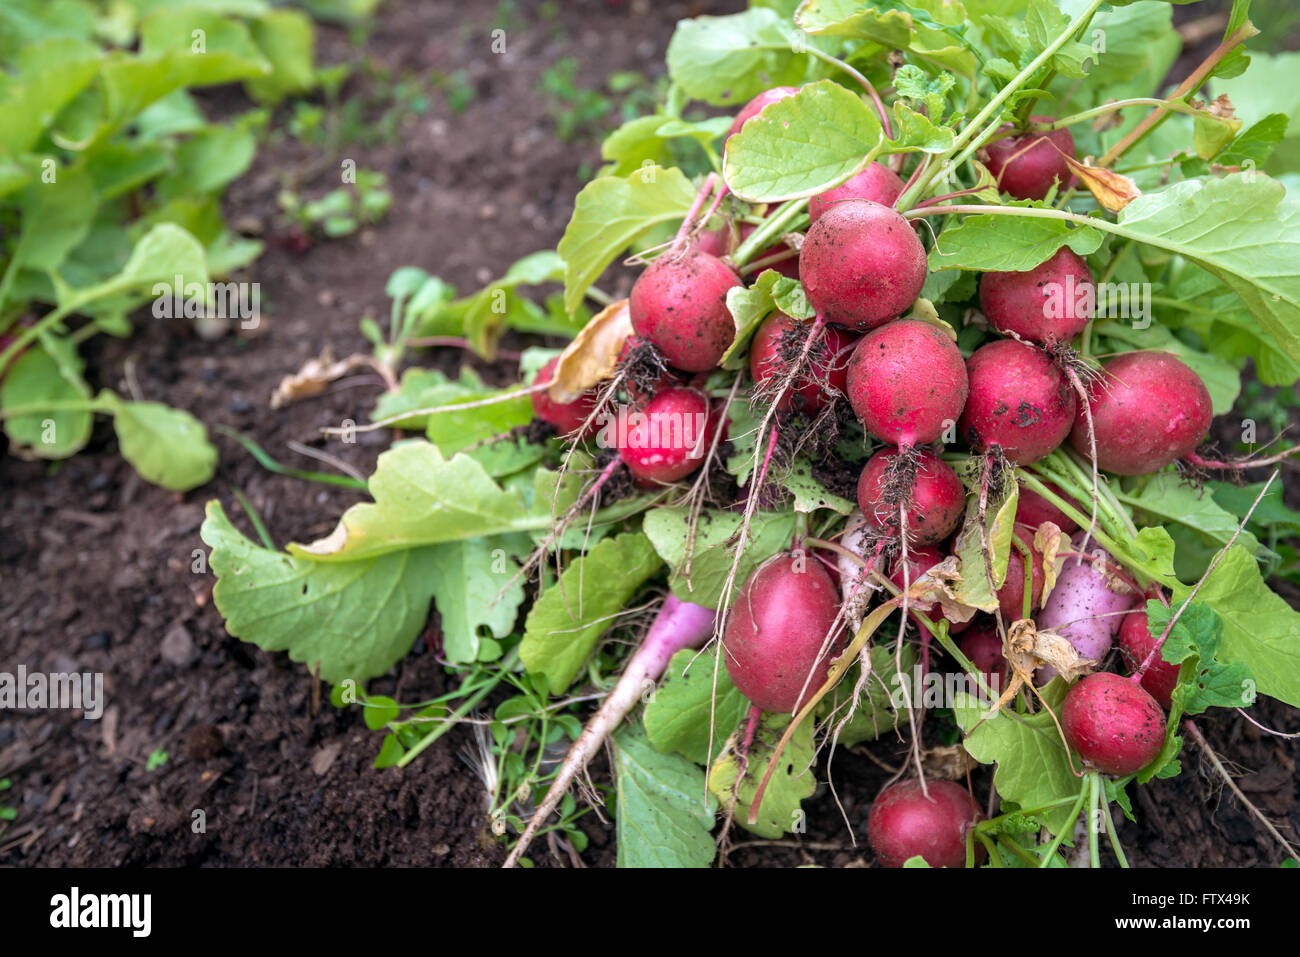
pixel 468 705
pixel 994 859
pixel 1110 833
pixel 258 525
pixel 773 226
pixel 1067 829
pixel 56 405
pixel 1094 799
pixel 1016 849
pixel 1105 108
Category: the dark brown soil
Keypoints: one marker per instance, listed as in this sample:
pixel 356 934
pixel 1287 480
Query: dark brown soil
pixel 95 565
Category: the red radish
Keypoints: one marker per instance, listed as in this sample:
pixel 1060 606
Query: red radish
pixel 983 647
pixel 828 367
pixel 680 304
pixel 1135 643
pixel 1027 164
pixel 1020 401
pixel 877 182
pixel 907 382
pixel 723 242
pixel 756 105
pixel 643 380
pixel 1086 606
pixel 776 631
pixel 668 439
pixel 1148 410
pixel 904 823
pixel 1011 596
pixel 1033 510
pixel 936 500
pixel 1114 725
pixel 1046 304
pixel 861 264
pixel 565 416
pixel 678 625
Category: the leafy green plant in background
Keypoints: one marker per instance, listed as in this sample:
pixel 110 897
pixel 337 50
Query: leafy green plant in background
pixel 342 211
pixel 110 184
pixel 478 496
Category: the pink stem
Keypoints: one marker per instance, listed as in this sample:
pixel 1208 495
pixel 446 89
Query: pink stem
pixel 706 189
pixel 679 624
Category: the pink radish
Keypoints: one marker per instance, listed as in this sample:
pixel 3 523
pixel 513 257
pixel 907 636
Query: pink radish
pixel 1020 401
pixel 1135 644
pixel 1114 724
pixel 680 304
pixel 565 416
pixel 905 823
pixel 756 105
pixel 1027 164
pixel 678 625
pixel 828 367
pixel 668 439
pixel 935 502
pixel 877 183
pixel 1043 304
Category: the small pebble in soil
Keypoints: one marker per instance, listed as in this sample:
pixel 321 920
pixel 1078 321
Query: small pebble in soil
pixel 178 647
pixel 98 640
pixel 238 405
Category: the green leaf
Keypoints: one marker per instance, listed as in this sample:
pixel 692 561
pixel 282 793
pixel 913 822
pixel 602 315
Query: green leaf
pixel 1241 228
pixel 793 780
pixel 1166 496
pixel 1008 243
pixel 287 40
pixel 802 145
pixel 355 618
pixel 468 582
pixel 1044 23
pixel 1196 638
pixel 609 214
pixel 687 710
pixel 209 160
pixel 50 74
pixel 1033 768
pixel 731 59
pixel 1260 630
pixel 973 589
pixel 914 132
pixel 168 447
pixel 35 378
pixel 750 305
pixel 567 620
pixel 810 494
pixel 875 712
pixel 662 816
pixel 714 548
pixel 424 498
pixel 56 216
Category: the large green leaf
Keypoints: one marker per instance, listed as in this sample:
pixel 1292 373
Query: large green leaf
pixel 688 709
pixel 567 621
pixel 354 618
pixel 802 145
pixel 731 59
pixel 608 216
pixel 1033 768
pixel 470 580
pixel 1166 496
pixel 662 815
pixel 1008 243
pixel 1259 629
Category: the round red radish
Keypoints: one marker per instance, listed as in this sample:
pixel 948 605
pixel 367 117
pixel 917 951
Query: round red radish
pixel 1026 165
pixel 565 416
pixel 773 643
pixel 982 645
pixel 1033 510
pixel 1019 400
pixel 907 382
pixel 935 503
pixel 861 264
pixel 756 105
pixel 1011 596
pixel 828 365
pixel 877 182
pixel 1045 304
pixel 904 823
pixel 1148 409
pixel 1135 643
pixel 668 439
pixel 1113 723
pixel 680 304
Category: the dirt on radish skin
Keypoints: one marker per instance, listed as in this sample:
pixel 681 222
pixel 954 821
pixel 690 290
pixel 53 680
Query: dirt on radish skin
pixel 668 439
pixel 1135 643
pixel 680 304
pixel 877 183
pixel 935 499
pixel 892 399
pixel 565 416
pixel 1040 304
pixel 828 365
pixel 1113 723
pixel 905 823
pixel 1019 400
pixel 773 642
pixel 861 265
pixel 1148 410
pixel 1026 165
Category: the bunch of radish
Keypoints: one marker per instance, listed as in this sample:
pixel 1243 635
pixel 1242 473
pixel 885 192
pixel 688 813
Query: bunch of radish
pixel 925 407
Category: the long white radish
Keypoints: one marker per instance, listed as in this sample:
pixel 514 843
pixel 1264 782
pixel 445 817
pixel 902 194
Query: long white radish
pixel 679 624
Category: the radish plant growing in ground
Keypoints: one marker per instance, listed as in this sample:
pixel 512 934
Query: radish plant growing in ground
pixel 713 534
